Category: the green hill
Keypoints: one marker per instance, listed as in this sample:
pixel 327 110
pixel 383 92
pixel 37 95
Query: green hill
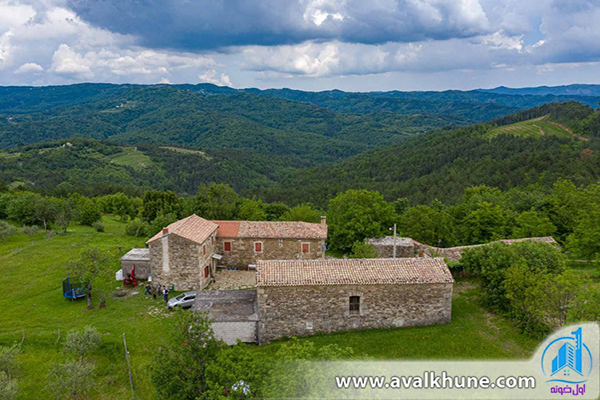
pixel 506 153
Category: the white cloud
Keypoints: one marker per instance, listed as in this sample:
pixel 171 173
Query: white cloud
pixel 29 68
pixel 210 76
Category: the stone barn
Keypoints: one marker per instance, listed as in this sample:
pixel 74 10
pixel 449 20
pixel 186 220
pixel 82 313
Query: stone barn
pixel 302 297
pixel 141 259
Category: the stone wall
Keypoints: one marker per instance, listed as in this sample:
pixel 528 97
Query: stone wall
pixel 305 310
pixel 386 251
pixel 186 262
pixel 232 331
pixel 242 250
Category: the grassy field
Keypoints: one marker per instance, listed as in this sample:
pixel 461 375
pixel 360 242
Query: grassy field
pixel 531 128
pixel 132 157
pixel 31 274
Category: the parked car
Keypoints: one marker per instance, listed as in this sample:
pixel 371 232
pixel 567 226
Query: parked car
pixel 184 300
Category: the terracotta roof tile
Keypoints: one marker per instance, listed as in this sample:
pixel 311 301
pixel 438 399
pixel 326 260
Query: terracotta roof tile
pixel 272 229
pixel 368 271
pixel 192 228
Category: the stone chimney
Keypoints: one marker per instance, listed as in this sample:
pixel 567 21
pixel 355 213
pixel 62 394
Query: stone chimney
pixel 323 220
pixel 165 231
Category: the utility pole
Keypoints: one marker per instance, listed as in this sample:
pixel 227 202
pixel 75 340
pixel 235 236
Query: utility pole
pixel 394 240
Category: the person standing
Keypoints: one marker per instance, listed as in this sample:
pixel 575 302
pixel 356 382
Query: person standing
pixel 154 290
pixel 166 294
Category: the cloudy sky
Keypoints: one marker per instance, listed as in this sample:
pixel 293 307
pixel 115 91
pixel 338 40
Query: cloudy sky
pixel 354 45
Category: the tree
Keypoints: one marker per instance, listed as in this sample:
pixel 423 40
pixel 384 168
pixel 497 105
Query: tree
pixel 584 242
pixel 428 225
pixel 156 202
pixel 65 213
pixel 274 211
pixel 357 214
pixel 91 264
pixel 72 378
pixel 363 250
pixel 21 208
pixel 178 370
pixel 88 212
pixel 8 367
pixel 6 230
pixel 216 201
pixel 565 203
pixel 488 222
pixel 251 210
pixel 31 231
pixel 82 342
pixel 532 224
pixel 8 387
pixel 302 212
pixel 45 211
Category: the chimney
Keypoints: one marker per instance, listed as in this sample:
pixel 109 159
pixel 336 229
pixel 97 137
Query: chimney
pixel 323 220
pixel 165 231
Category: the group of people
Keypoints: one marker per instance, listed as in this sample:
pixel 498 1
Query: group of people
pixel 157 290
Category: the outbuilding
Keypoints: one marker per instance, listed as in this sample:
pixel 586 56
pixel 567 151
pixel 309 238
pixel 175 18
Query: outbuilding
pixel 141 259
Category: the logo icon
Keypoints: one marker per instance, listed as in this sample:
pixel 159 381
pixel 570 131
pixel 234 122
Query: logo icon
pixel 567 359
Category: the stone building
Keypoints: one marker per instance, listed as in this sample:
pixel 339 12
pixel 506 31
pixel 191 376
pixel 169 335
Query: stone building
pixel 243 243
pixel 187 252
pixel 138 257
pixel 182 253
pixel 405 247
pixel 302 297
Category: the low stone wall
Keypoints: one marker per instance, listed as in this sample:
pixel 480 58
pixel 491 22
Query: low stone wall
pixel 386 251
pixel 242 251
pixel 305 310
pixel 232 331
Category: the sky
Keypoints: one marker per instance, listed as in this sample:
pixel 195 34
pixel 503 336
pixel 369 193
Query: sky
pixel 352 45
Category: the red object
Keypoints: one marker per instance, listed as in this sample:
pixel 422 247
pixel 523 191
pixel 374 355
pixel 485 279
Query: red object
pixel 227 246
pixel 206 272
pixel 133 280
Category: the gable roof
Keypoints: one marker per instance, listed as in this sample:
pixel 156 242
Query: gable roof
pixel 192 228
pixel 136 255
pixel 367 271
pixel 271 229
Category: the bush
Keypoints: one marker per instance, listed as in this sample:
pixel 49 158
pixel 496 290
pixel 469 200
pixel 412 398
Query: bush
pixel 8 387
pixel 98 226
pixel 137 228
pixel 82 342
pixel 363 250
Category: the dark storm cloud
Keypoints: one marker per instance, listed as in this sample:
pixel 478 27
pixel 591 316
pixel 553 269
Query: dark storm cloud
pixel 213 24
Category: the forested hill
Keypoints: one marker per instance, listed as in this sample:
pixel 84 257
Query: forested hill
pixel 308 128
pixel 535 147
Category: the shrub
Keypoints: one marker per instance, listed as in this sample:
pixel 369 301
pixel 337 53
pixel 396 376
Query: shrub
pixel 137 228
pixel 98 226
pixel 82 342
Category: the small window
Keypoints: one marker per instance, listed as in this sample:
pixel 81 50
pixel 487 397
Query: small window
pixel 206 271
pixel 212 240
pixel 227 246
pixel 354 304
pixel 306 248
pixel 204 249
pixel 258 247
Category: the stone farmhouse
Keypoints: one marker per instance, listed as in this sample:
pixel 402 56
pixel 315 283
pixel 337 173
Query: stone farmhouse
pixel 302 297
pixel 407 247
pixel 187 252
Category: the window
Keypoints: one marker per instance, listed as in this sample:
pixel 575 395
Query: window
pixel 258 247
pixel 306 248
pixel 206 271
pixel 354 304
pixel 203 249
pixel 227 246
pixel 212 240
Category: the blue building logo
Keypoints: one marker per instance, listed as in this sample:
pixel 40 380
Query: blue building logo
pixel 567 359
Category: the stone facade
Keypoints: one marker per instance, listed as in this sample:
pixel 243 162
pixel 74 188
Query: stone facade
pixel 182 262
pixel 242 252
pixel 304 310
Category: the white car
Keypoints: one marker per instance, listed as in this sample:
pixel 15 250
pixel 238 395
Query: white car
pixel 184 300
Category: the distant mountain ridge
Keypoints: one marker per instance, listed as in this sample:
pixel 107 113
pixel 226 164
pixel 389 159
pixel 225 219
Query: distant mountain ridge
pixel 565 90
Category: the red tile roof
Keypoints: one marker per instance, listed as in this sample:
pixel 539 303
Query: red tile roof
pixel 272 229
pixel 192 228
pixel 367 271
